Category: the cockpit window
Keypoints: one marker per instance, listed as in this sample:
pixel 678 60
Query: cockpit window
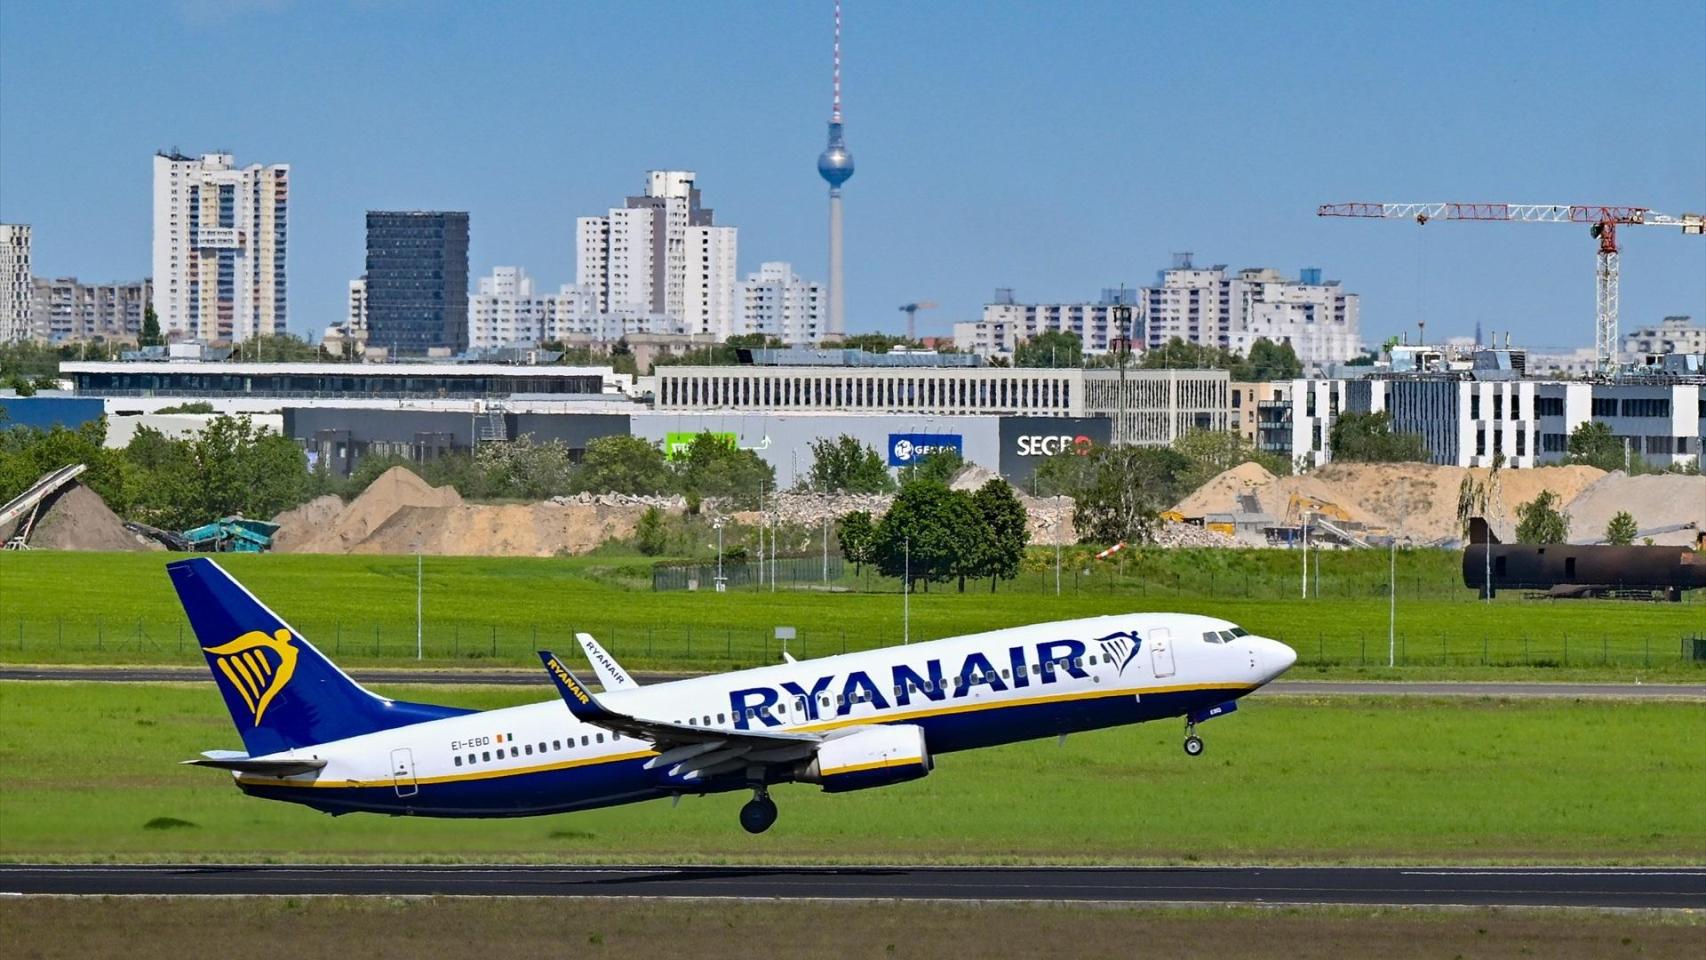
pixel 1226 636
pixel 1211 637
pixel 1240 632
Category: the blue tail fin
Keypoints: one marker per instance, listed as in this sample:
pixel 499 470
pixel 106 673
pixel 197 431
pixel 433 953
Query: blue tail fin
pixel 282 693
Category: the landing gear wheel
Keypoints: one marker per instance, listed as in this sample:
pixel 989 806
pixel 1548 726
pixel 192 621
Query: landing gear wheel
pixel 758 814
pixel 1193 745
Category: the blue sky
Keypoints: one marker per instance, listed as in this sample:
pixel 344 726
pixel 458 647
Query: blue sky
pixel 1054 148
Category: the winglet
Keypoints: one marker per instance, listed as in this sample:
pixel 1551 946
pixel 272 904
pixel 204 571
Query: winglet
pixel 610 673
pixel 575 694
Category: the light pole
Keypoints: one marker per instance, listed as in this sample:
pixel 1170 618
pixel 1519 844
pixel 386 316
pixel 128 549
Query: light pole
pixel 1306 556
pixel 718 524
pixel 419 647
pixel 1392 606
pixel 826 549
pixel 1058 533
pixel 906 595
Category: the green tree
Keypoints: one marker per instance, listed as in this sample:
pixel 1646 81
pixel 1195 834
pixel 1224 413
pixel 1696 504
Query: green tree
pixel 1592 443
pixel 1051 348
pixel 1621 530
pixel 279 348
pixel 1180 354
pixel 524 470
pixel 1212 452
pixel 1065 473
pixel 150 336
pixel 855 535
pixel 1269 361
pixel 649 534
pixel 1369 438
pixel 230 468
pixel 714 467
pixel 844 465
pixel 624 464
pixel 1540 520
pixel 924 533
pixel 938 465
pixel 1006 531
pixel 1126 489
pixel 27 454
pixel 871 342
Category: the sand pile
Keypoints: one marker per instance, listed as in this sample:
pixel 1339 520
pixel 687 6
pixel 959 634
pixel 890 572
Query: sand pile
pixel 1413 500
pixel 401 513
pixel 76 518
pixel 1662 504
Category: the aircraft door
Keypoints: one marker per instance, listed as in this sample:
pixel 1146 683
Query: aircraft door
pixel 1161 651
pixel 403 772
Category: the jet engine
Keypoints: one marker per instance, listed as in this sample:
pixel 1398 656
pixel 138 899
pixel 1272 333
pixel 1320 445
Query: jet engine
pixel 869 757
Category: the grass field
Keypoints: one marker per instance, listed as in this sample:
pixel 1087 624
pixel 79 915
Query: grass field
pixel 119 608
pixel 91 775
pixel 422 929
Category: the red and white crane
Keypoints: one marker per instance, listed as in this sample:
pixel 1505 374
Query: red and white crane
pixel 1602 221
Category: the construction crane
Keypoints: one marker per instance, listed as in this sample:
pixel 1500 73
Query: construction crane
pixel 1602 222
pixel 911 311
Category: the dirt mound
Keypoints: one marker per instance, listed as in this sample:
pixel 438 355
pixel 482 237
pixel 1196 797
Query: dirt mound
pixel 394 490
pixel 77 518
pixel 1417 501
pixel 1662 504
pixel 503 530
pixel 303 524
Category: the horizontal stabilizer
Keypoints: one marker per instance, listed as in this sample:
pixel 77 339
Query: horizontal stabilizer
pixel 243 763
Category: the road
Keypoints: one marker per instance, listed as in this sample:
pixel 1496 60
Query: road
pixel 1542 886
pixel 536 678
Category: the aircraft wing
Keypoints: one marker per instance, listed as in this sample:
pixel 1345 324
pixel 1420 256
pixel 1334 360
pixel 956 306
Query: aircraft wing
pixel 690 752
pixel 610 673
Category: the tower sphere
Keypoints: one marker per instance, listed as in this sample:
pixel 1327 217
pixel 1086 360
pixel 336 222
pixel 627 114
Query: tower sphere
pixel 835 164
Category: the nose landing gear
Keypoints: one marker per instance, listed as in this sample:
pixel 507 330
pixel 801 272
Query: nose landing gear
pixel 759 812
pixel 1193 743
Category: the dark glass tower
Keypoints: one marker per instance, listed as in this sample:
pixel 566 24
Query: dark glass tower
pixel 417 281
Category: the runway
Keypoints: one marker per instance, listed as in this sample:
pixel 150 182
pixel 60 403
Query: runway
pixel 1434 886
pixel 535 678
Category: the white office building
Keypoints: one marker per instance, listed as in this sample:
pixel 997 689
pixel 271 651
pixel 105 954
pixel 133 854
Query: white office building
pixel 16 287
pixel 355 321
pixel 220 237
pixel 661 256
pixel 778 303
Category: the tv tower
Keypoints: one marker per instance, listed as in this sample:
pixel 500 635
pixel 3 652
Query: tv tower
pixel 835 165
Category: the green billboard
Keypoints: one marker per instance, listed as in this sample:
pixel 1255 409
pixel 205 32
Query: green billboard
pixel 675 444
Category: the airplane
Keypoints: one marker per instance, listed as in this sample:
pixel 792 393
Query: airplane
pixel 855 721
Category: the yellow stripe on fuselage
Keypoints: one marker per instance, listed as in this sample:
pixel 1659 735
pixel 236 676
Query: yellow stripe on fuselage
pixel 804 728
pixel 875 765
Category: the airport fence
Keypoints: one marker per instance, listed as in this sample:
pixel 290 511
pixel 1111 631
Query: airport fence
pixel 686 645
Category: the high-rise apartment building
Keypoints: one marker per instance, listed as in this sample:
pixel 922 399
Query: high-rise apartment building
pixel 220 237
pixel 1206 306
pixel 504 311
pixel 778 303
pixel 15 282
pixel 660 257
pixel 65 311
pixel 417 282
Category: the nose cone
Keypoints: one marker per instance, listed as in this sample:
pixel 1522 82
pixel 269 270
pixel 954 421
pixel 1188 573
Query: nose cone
pixel 1276 658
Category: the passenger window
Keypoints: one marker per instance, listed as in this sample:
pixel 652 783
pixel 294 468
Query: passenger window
pixel 1078 662
pixel 601 738
pixel 471 759
pixel 530 749
pixel 929 686
pixel 515 751
pixel 458 759
pixel 1036 668
pixel 897 690
pixel 722 718
pixel 840 700
pixel 556 744
pixel 584 740
pixel 1005 675
pixel 541 746
pixel 486 755
pixel 707 720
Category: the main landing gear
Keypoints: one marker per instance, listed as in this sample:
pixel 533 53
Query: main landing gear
pixel 1193 743
pixel 759 812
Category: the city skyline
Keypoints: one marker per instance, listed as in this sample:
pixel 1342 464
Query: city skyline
pixel 1302 108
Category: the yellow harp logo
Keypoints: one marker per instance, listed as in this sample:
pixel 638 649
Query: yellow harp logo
pixel 255 677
